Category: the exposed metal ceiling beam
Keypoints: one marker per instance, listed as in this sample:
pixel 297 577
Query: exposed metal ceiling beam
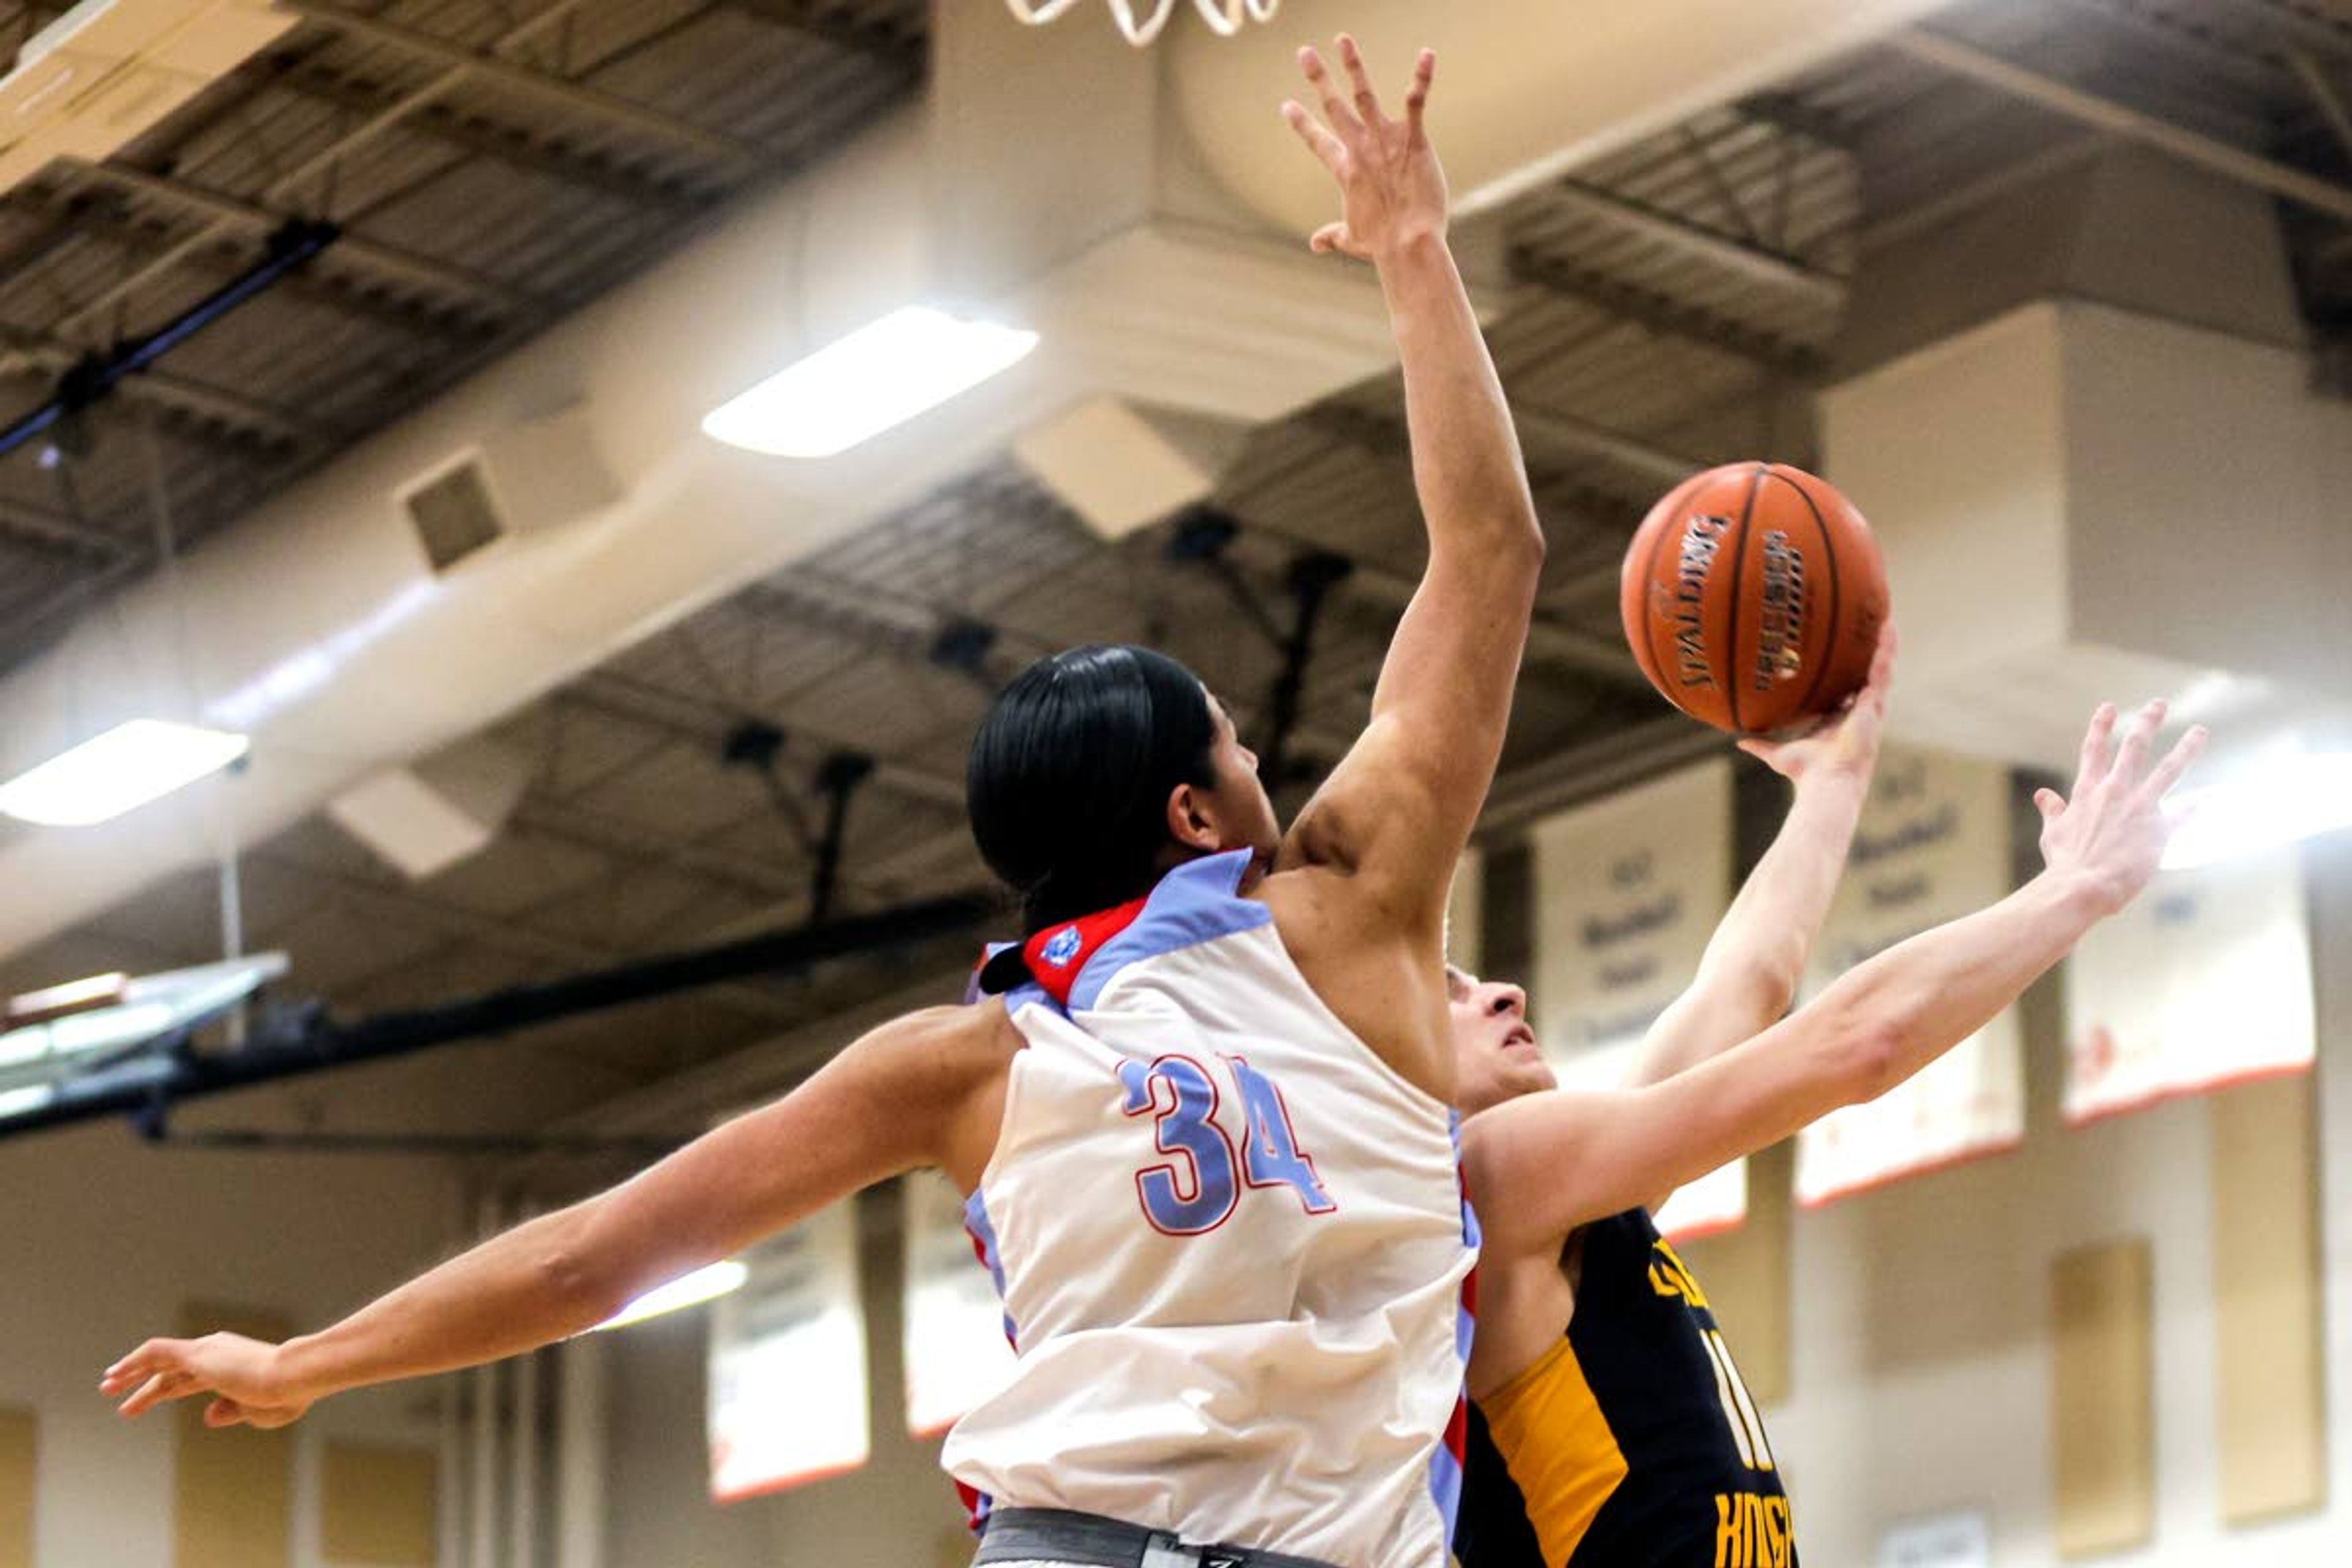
pixel 1789 113
pixel 704 724
pixel 502 933
pixel 2062 98
pixel 2293 22
pixel 1547 638
pixel 295 181
pixel 260 424
pixel 599 833
pixel 55 533
pixel 470 130
pixel 396 260
pixel 1665 316
pixel 1558 432
pixel 1600 508
pixel 2326 93
pixel 1579 774
pixel 487 65
pixel 1712 246
pixel 139 234
pixel 1953 200
pixel 901 52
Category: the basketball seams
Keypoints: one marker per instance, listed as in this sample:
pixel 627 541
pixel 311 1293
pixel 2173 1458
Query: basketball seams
pixel 1739 572
pixel 1833 641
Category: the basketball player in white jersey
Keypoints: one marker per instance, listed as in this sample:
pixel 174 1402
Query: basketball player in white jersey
pixel 1206 1134
pixel 1611 1424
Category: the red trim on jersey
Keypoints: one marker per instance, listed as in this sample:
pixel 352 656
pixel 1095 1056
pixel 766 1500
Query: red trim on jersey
pixel 1056 955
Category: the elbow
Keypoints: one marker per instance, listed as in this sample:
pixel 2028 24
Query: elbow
pixel 1529 535
pixel 569 1268
pixel 1870 1059
pixel 1767 988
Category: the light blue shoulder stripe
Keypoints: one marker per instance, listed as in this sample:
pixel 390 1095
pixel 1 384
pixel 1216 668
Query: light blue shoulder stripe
pixel 1195 903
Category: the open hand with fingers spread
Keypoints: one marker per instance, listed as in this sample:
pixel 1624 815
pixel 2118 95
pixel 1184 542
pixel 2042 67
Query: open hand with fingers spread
pixel 244 1377
pixel 1391 191
pixel 2112 830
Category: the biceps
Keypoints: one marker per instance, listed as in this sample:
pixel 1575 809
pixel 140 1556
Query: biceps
pixel 765 1171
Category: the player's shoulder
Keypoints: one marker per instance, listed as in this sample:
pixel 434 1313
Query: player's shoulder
pixel 977 1035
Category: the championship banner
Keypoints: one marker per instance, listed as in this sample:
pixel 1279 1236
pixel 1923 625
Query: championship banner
pixel 2204 982
pixel 1933 844
pixel 1628 890
pixel 788 1363
pixel 955 1351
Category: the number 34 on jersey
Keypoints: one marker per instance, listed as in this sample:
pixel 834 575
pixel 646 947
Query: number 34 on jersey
pixel 1200 1182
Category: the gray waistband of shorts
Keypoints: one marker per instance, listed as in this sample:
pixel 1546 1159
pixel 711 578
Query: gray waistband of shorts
pixel 1058 1535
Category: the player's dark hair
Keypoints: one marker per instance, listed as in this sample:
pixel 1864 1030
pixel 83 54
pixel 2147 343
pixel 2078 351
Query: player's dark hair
pixel 1067 784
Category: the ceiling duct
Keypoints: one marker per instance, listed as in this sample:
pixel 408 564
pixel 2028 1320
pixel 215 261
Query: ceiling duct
pixel 2096 464
pixel 101 74
pixel 1115 201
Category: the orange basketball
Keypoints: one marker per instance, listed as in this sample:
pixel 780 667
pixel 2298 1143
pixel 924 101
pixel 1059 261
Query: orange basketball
pixel 1752 596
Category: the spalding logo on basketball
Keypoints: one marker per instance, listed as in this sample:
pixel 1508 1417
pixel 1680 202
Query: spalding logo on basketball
pixel 1752 596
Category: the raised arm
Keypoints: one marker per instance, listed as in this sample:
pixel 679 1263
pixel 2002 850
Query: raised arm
pixel 1544 1163
pixel 1749 975
pixel 903 1096
pixel 1396 815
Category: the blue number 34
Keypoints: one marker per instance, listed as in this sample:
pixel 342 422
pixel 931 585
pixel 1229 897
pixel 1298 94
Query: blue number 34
pixel 1201 1194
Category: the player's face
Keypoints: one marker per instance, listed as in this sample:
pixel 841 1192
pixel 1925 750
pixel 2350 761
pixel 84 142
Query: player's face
pixel 1494 1051
pixel 1245 814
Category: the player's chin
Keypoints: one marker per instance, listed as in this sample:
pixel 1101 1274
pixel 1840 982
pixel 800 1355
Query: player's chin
pixel 1530 1075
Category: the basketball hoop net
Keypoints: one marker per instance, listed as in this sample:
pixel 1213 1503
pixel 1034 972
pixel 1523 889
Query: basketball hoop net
pixel 1225 16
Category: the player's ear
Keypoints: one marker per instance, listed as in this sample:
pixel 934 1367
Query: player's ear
pixel 1192 817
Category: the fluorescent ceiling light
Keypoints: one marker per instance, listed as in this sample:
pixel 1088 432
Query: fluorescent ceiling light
pixel 16 1102
pixel 702 1285
pixel 128 766
pixel 2277 801
pixel 73 996
pixel 882 374
pixel 146 1006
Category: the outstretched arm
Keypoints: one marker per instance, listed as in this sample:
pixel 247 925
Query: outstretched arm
pixel 1544 1163
pixel 895 1099
pixel 1396 815
pixel 1749 975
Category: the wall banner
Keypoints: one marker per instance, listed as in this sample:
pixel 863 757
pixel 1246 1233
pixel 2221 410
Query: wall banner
pixel 788 1396
pixel 2205 981
pixel 956 1353
pixel 1934 844
pixel 1628 890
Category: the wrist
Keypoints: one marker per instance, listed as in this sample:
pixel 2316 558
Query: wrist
pixel 2087 896
pixel 294 1371
pixel 1417 245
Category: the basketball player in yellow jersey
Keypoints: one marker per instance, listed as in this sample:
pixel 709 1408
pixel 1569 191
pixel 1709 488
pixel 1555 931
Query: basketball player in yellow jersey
pixel 1609 1423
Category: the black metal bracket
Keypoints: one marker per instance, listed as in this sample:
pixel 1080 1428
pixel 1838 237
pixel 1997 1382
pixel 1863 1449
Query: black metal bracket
pixel 1201 537
pixel 1312 577
pixel 93 377
pixel 838 776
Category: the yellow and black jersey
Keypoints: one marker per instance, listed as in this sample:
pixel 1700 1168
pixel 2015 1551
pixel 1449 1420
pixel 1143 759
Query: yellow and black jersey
pixel 1631 1443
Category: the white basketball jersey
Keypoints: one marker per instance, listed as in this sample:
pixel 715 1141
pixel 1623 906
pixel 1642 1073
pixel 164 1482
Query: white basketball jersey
pixel 1232 1245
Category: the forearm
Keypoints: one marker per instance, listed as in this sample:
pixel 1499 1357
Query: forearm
pixel 1768 933
pixel 1895 1013
pixel 527 1288
pixel 1466 464
pixel 1749 975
